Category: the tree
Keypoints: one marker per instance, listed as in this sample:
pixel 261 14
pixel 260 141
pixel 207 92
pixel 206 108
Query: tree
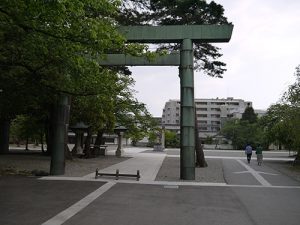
pixel 273 122
pixel 171 139
pixel 170 12
pixel 292 95
pixel 25 128
pixel 110 107
pixel 281 122
pixel 53 47
pixel 245 130
pixel 292 99
pixel 249 115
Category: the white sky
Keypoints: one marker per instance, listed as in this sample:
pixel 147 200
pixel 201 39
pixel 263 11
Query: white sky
pixel 261 58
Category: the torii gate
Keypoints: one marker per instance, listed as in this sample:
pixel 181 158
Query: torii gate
pixel 186 35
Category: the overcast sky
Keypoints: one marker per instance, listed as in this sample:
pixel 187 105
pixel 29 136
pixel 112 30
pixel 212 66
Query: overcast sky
pixel 261 58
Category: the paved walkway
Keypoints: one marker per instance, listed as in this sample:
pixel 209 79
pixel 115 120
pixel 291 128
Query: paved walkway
pixel 250 195
pixel 153 166
pixel 147 163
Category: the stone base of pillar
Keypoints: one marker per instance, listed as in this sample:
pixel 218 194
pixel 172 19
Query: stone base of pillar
pixel 119 152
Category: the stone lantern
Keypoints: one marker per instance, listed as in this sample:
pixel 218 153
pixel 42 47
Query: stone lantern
pixel 120 130
pixel 79 129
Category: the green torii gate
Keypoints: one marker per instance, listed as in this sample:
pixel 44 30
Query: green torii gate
pixel 186 35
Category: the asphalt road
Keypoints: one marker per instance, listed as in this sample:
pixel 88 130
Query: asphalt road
pixel 256 195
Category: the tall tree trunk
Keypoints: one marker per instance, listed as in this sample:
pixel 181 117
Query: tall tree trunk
pixel 87 144
pixel 200 159
pixel 49 131
pixel 99 139
pixel 59 130
pixel 42 141
pixel 68 153
pixel 4 136
pixel 26 145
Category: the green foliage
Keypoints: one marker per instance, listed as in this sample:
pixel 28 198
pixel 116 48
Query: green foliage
pixel 24 127
pixel 249 115
pixel 292 121
pixel 282 123
pixel 208 140
pixel 44 48
pixel 292 95
pixel 51 47
pixel 116 105
pixel 241 132
pixel 152 137
pixel 171 139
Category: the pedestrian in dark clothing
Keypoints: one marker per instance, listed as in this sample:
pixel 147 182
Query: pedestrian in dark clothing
pixel 248 152
pixel 259 155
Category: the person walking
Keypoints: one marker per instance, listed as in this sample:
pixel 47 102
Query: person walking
pixel 248 152
pixel 259 155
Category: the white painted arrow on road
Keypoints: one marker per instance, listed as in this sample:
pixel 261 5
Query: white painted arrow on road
pixel 255 173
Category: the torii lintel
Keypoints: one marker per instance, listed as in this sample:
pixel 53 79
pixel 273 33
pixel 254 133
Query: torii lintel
pixel 172 59
pixel 177 33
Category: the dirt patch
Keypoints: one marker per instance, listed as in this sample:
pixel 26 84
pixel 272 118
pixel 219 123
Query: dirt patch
pixel 34 164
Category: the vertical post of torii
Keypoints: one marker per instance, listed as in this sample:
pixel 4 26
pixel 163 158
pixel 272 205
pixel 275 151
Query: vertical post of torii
pixel 187 109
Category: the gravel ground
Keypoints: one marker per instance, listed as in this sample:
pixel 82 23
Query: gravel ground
pixel 170 171
pixel 24 164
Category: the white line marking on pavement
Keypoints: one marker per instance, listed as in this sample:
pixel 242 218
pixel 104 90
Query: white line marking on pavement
pixel 171 186
pixel 179 183
pixel 78 206
pixel 237 157
pixel 273 174
pixel 257 176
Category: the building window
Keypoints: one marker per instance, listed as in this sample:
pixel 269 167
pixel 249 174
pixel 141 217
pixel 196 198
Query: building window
pixel 233 103
pixel 215 116
pixel 202 115
pixel 202 128
pixel 202 109
pixel 201 103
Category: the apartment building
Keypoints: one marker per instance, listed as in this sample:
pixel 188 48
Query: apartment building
pixel 211 114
